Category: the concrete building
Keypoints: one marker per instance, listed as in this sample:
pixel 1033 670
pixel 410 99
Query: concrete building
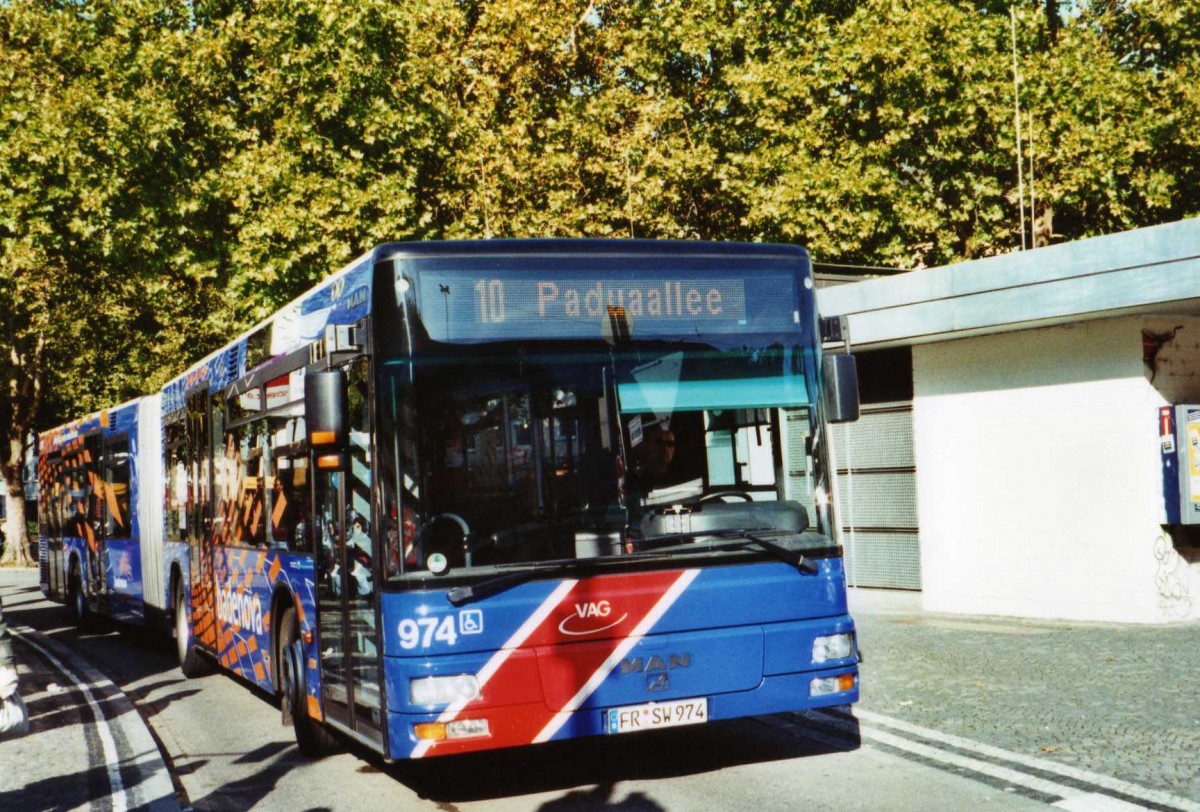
pixel 1031 382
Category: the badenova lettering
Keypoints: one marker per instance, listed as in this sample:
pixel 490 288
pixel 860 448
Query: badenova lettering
pixel 241 610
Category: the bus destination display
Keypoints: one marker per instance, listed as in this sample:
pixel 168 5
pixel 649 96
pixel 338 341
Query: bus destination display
pixel 465 306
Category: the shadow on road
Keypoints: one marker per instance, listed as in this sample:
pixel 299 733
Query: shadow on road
pixel 47 795
pixel 600 798
pixel 248 793
pixel 601 762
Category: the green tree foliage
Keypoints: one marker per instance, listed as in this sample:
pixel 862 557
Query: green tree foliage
pixel 1130 68
pixel 99 245
pixel 171 171
pixel 894 151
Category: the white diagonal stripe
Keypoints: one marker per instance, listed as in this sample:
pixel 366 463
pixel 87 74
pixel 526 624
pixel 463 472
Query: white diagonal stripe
pixel 601 673
pixel 498 659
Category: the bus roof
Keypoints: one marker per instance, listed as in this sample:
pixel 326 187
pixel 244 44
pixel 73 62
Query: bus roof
pixel 344 296
pixel 54 438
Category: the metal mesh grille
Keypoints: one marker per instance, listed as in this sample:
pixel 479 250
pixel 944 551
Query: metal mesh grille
pixel 884 559
pixel 878 440
pixel 877 493
pixel 878 499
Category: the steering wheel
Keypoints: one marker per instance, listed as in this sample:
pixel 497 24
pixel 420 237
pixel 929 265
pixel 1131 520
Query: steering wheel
pixel 715 495
pixel 449 555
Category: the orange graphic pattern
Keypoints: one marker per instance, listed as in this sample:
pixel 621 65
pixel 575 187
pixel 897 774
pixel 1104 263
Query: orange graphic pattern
pixel 247 579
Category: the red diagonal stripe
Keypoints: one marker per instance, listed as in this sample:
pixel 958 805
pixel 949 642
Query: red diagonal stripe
pixel 628 599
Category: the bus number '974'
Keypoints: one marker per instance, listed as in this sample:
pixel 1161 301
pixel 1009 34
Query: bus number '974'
pixel 425 630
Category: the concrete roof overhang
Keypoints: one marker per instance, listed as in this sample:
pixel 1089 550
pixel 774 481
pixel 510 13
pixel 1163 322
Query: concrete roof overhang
pixel 1152 270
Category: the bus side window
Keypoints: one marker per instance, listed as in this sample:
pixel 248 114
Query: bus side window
pixel 288 492
pixel 175 495
pixel 239 488
pixel 117 519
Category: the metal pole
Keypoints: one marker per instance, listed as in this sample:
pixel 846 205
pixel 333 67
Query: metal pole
pixel 1032 195
pixel 1017 105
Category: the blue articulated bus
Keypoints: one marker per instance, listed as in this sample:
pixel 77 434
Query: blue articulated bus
pixel 471 495
pixel 98 541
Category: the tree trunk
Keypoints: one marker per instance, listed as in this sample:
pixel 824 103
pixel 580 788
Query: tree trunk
pixel 20 394
pixel 16 548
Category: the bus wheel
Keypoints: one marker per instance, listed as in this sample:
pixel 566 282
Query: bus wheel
pixel 312 737
pixel 191 662
pixel 77 599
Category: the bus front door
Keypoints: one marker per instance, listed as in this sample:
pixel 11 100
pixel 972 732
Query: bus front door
pixel 347 619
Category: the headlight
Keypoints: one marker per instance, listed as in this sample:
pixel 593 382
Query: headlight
pixel 833 647
pixel 443 690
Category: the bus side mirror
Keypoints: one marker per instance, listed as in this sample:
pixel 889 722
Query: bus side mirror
pixel 325 418
pixel 841 388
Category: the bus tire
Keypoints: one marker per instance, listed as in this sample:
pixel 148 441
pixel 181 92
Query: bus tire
pixel 314 740
pixel 191 661
pixel 77 601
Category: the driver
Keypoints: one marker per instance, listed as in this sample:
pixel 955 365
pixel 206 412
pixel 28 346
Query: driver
pixel 658 454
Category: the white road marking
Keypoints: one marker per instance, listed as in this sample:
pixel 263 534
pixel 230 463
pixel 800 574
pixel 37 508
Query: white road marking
pixel 154 791
pixel 119 802
pixel 1095 802
pixel 1072 798
pixel 1045 765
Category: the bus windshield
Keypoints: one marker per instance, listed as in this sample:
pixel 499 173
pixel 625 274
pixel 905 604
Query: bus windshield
pixel 519 454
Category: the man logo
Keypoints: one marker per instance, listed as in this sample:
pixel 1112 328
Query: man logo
pixel 640 665
pixel 658 681
pixel 656 668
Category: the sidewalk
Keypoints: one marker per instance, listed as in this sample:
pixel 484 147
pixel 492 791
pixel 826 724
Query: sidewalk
pixel 87 747
pixel 1114 699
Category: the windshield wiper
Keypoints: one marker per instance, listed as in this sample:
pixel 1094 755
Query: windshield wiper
pixel 728 540
pixel 493 586
pixel 732 540
pixel 794 557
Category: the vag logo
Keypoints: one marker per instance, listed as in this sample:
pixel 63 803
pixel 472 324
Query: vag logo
pixel 590 617
pixel 656 668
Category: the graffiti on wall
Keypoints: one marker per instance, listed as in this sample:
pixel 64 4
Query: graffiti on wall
pixel 1171 579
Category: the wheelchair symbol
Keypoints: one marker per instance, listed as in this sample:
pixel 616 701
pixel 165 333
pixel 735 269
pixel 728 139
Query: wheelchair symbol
pixel 470 621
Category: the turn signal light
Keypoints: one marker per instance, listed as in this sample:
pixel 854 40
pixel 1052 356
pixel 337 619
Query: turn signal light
pixel 331 462
pixel 323 438
pixel 458 729
pixel 823 686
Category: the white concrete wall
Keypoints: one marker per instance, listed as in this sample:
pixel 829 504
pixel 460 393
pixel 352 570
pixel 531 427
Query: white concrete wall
pixel 1175 379
pixel 1038 476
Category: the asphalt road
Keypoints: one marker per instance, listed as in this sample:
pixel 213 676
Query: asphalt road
pixel 957 714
